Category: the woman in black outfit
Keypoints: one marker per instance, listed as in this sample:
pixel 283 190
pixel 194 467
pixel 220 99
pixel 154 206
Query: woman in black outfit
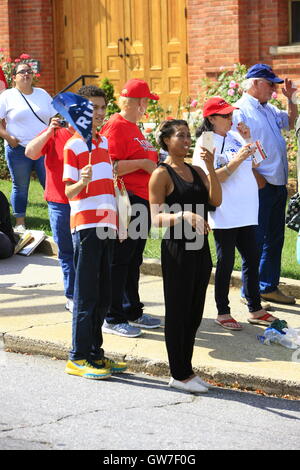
pixel 186 260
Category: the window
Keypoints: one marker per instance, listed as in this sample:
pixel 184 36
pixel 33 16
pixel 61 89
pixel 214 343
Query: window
pixel 295 21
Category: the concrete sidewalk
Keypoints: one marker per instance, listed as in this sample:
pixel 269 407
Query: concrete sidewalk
pixel 33 320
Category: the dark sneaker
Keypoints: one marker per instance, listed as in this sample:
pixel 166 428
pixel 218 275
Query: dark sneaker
pixel 121 329
pixel 147 321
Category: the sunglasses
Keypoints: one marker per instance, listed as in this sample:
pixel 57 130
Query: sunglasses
pixel 24 71
pixel 271 84
pixel 224 116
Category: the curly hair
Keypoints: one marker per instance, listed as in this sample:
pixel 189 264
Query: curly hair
pixel 167 129
pixel 90 91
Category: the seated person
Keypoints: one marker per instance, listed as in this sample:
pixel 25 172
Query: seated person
pixel 7 239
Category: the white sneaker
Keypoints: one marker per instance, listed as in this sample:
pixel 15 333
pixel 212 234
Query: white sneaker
pixel 69 305
pixel 192 386
pixel 202 382
pixel 20 228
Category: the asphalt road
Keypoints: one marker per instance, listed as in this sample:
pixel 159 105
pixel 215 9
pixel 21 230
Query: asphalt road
pixel 41 408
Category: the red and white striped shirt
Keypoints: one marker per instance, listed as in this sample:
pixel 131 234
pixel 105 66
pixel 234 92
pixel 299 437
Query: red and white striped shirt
pixel 95 206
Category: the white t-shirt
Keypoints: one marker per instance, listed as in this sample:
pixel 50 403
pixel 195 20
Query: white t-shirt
pixel 20 120
pixel 239 206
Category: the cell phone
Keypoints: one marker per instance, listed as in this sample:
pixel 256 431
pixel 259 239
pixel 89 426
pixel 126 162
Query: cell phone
pixel 62 123
pixel 208 140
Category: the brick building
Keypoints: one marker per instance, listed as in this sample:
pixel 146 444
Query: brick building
pixel 172 43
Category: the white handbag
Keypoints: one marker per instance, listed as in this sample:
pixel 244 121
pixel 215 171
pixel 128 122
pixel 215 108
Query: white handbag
pixel 123 204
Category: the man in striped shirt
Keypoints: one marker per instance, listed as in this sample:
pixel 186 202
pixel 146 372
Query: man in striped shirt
pixel 90 190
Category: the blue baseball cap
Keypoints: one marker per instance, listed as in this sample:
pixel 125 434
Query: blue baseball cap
pixel 263 71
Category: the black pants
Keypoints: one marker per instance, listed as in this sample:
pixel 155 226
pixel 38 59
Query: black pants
pixel 6 246
pixel 125 271
pixel 244 239
pixel 185 277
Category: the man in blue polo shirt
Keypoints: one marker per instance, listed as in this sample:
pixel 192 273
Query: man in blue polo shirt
pixel 266 123
pixel 298 177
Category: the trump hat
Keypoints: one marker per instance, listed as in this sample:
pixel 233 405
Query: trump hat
pixel 263 71
pixel 217 105
pixel 136 88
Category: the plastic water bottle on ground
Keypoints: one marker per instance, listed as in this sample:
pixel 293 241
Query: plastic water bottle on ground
pixel 293 334
pixel 273 336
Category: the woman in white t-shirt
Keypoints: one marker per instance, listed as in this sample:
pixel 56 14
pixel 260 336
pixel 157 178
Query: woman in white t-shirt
pixel 233 222
pixel 26 111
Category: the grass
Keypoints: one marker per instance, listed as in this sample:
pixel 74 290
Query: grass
pixel 37 218
pixel 37 210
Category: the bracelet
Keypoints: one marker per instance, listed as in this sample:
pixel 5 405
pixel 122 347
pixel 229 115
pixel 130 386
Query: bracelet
pixel 227 170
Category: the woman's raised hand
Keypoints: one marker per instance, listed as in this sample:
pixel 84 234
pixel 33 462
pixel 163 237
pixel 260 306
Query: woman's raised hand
pixel 208 157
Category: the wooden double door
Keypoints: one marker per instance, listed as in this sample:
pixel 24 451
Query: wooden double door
pixel 122 39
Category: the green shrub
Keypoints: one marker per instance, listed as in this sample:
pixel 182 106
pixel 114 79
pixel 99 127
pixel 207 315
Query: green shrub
pixel 112 106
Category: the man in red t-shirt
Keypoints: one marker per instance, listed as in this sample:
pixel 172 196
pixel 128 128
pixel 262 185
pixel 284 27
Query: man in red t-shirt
pixel 51 143
pixel 134 159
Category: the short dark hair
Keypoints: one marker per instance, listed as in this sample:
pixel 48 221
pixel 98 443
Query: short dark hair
pixel 17 65
pixel 91 90
pixel 167 129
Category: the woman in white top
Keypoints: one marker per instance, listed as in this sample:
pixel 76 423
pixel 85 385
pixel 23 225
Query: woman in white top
pixel 26 111
pixel 233 222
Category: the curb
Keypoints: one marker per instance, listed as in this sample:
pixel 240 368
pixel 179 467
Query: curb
pixel 220 378
pixel 152 266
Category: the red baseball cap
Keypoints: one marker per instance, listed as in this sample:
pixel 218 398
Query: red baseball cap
pixel 217 105
pixel 136 88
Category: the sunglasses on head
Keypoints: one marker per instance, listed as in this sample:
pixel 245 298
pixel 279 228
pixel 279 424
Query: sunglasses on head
pixel 24 71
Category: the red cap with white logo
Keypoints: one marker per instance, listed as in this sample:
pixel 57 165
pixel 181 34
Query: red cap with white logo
pixel 217 105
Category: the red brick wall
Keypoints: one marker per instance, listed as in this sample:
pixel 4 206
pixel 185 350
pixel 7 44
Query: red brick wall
pixel 4 25
pixel 221 33
pixel 212 27
pixel 30 28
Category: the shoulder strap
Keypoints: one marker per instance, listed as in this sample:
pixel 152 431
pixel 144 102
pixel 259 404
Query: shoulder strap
pixel 32 109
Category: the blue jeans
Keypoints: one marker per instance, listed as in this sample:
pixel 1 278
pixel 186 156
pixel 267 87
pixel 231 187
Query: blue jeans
pixel 243 238
pixel 59 216
pixel 270 235
pixel 92 293
pixel 20 168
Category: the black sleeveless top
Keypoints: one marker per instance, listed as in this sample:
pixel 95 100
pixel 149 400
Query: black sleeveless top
pixel 186 196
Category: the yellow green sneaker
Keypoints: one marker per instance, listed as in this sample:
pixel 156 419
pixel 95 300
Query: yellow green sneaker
pixel 85 369
pixel 113 366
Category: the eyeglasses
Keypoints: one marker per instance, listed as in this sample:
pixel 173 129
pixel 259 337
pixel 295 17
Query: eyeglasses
pixel 24 71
